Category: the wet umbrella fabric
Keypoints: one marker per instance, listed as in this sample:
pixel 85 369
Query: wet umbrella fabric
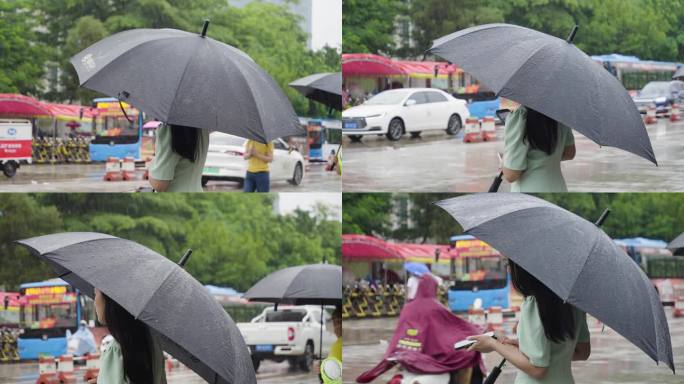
pixel 679 75
pixel 574 258
pixel 186 79
pixel 552 76
pixel 318 284
pixel 677 245
pixel 326 88
pixel 152 288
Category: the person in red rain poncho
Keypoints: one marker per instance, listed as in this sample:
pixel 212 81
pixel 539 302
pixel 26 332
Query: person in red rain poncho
pixel 424 339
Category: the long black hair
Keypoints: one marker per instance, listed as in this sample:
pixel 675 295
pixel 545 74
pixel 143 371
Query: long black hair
pixel 135 340
pixel 185 141
pixel 541 131
pixel 558 318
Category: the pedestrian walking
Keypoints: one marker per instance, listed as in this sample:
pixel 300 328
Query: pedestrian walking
pixel 258 156
pixel 180 154
pixel 551 334
pixel 134 356
pixel 535 146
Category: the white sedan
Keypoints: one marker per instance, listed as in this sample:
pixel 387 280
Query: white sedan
pixel 225 161
pixel 406 110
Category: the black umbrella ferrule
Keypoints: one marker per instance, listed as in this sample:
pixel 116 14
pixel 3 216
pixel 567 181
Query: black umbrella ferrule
pixel 185 258
pixel 204 28
pixel 603 217
pixel 571 37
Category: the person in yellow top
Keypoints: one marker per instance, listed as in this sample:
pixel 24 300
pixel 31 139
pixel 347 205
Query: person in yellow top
pixel 336 348
pixel 258 157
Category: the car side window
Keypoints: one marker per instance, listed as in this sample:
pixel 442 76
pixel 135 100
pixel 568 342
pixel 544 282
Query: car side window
pixel 277 144
pixel 435 97
pixel 419 97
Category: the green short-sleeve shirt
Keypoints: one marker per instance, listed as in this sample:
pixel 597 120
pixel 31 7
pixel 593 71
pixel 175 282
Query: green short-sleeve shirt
pixel 541 172
pixel 542 352
pixel 112 365
pixel 183 174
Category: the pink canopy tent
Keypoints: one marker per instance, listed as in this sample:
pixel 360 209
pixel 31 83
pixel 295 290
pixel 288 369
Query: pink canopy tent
pixel 16 105
pixel 369 248
pixel 366 64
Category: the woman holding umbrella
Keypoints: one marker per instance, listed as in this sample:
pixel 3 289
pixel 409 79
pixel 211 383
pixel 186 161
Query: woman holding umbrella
pixel 134 356
pixel 535 145
pixel 551 334
pixel 180 153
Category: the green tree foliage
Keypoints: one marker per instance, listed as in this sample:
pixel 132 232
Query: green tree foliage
pixel 269 33
pixel 651 215
pixel 21 56
pixel 236 239
pixel 368 25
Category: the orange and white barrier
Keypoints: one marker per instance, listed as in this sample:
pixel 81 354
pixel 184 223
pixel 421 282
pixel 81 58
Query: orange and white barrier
pixel 113 169
pixel 679 307
pixel 488 128
pixel 494 317
pixel 651 115
pixel 65 370
pixel 472 132
pixel 47 371
pixel 92 367
pixel 128 168
pixel 477 316
pixel 148 164
pixel 674 113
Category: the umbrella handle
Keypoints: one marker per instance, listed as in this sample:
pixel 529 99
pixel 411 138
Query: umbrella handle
pixel 496 184
pixel 491 378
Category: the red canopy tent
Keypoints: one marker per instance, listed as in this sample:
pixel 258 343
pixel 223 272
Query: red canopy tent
pixel 368 248
pixel 16 105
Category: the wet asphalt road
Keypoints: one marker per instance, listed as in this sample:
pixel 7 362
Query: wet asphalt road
pixel 269 372
pixel 613 359
pixel 89 178
pixel 440 163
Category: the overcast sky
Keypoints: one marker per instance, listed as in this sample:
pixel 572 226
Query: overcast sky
pixel 327 24
pixel 290 201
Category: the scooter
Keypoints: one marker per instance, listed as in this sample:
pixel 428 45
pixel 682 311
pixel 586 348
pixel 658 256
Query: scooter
pixel 467 376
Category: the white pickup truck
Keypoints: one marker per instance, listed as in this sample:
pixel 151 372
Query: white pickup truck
pixel 291 332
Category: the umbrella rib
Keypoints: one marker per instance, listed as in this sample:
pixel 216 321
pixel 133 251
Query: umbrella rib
pixel 586 259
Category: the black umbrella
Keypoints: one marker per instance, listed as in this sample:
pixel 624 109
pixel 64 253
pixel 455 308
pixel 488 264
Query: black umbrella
pixel 677 245
pixel 318 284
pixel 188 79
pixel 679 75
pixel 188 321
pixel 552 76
pixel 574 258
pixel 325 88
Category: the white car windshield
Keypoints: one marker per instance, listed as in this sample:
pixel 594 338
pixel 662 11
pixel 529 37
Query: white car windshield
pixel 217 138
pixel 387 98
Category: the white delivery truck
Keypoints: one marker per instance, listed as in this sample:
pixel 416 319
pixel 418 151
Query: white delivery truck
pixel 16 144
pixel 291 332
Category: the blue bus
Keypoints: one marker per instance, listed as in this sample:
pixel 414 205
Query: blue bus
pixel 322 137
pixel 50 309
pixel 477 272
pixel 115 135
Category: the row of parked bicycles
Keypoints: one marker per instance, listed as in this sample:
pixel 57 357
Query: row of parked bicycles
pixel 9 349
pixel 382 300
pixel 49 150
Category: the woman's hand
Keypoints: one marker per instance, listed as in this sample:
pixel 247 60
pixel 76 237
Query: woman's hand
pixel 483 343
pixel 94 379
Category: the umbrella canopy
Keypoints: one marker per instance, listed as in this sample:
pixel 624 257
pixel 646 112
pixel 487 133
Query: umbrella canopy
pixel 679 75
pixel 574 258
pixel 188 79
pixel 417 269
pixel 157 292
pixel 305 284
pixel 677 245
pixel 325 88
pixel 552 76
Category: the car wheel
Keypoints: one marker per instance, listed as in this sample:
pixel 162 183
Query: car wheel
pixel 415 135
pixel 205 180
pixel 306 361
pixel 256 362
pixel 9 168
pixel 395 129
pixel 355 138
pixel 455 125
pixel 297 175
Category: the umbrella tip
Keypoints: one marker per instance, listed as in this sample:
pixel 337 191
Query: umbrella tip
pixel 185 258
pixel 603 217
pixel 204 28
pixel 571 37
